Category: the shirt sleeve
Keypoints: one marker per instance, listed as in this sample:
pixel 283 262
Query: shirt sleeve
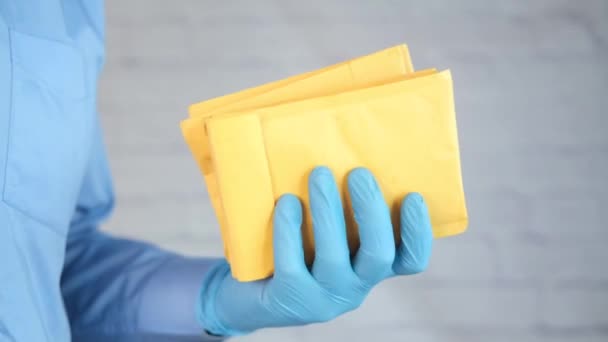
pixel 123 290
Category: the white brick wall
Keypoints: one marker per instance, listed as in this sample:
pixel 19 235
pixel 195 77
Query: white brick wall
pixel 531 92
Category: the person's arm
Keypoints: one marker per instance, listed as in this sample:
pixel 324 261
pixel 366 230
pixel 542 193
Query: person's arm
pixel 122 290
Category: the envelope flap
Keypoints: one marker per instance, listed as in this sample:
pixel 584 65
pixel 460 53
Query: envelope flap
pixel 246 192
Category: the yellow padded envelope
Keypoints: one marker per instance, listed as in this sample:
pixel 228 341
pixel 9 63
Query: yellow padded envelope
pixel 373 112
pixel 378 67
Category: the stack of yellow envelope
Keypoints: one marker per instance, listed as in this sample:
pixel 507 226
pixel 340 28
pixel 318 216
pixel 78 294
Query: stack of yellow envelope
pixel 374 111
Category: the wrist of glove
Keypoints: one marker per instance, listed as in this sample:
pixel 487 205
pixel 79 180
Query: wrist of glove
pixel 335 284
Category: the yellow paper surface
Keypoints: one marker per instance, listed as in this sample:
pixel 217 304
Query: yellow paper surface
pixel 375 112
pixel 375 68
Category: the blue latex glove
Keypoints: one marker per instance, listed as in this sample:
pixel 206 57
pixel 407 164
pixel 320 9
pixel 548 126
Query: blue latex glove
pixel 336 284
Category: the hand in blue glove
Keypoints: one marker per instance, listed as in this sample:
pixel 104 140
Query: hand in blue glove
pixel 336 284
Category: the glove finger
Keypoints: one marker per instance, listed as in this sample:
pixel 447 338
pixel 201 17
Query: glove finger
pixel 332 256
pixel 416 236
pixel 287 236
pixel 376 254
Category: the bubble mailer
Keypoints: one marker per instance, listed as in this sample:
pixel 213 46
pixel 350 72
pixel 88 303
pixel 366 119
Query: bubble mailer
pixel 373 111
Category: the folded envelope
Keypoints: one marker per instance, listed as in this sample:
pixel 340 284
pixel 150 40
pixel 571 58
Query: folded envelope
pixel 374 111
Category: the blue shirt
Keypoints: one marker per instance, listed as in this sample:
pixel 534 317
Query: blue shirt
pixel 62 279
